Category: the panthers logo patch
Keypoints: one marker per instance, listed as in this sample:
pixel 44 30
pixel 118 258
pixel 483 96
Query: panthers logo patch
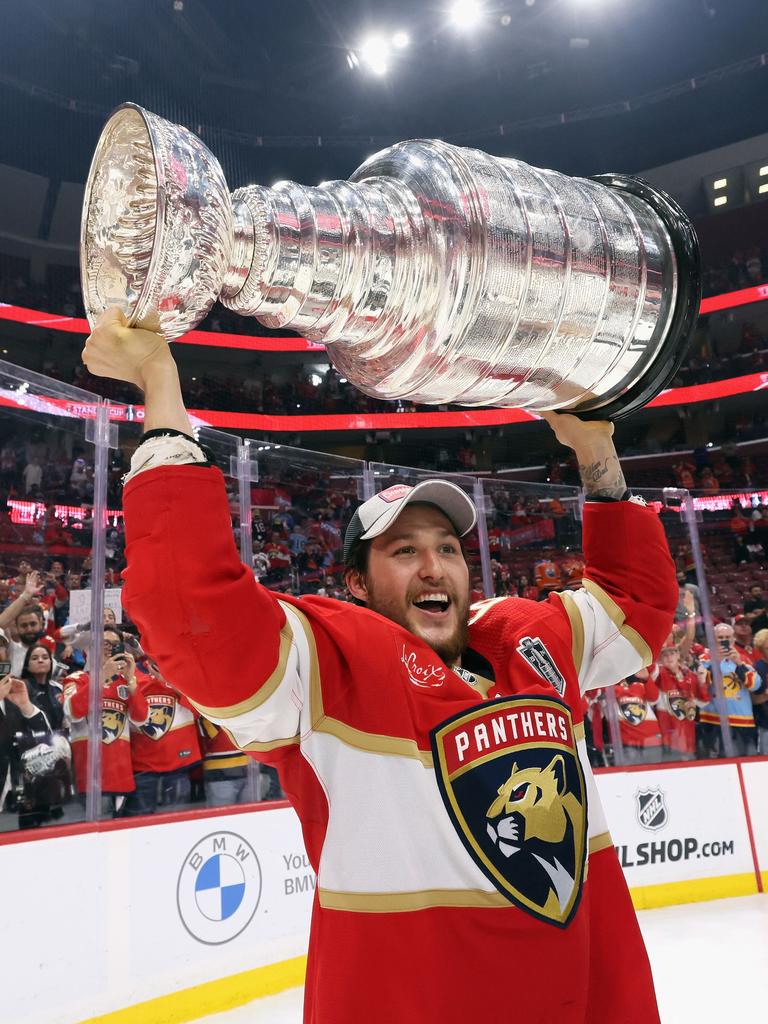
pixel 512 784
pixel 113 720
pixel 162 711
pixel 634 711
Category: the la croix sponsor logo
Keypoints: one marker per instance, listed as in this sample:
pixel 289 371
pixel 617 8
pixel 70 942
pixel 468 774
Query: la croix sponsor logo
pixel 219 888
pixel 425 676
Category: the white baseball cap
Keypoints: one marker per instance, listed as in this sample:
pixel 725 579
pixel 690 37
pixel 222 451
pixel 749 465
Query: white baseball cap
pixel 377 514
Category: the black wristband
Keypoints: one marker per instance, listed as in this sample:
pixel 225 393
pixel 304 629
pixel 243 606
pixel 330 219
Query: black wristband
pixel 600 497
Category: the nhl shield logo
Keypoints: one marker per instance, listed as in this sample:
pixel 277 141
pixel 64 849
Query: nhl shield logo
pixel 651 809
pixel 513 786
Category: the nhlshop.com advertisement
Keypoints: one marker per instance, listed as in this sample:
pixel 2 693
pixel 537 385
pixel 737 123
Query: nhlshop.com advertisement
pixel 678 825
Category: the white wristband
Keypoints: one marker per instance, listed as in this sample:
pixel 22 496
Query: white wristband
pixel 164 450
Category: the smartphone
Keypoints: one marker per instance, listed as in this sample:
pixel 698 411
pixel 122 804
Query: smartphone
pixel 5 668
pixel 118 648
pixel 725 645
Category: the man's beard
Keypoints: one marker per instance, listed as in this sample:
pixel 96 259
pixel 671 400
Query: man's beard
pixel 448 648
pixel 29 638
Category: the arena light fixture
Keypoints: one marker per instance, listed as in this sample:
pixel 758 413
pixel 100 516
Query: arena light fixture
pixel 756 178
pixel 466 14
pixel 725 188
pixel 375 53
pixel 401 40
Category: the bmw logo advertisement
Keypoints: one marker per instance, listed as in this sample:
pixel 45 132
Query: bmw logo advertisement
pixel 219 888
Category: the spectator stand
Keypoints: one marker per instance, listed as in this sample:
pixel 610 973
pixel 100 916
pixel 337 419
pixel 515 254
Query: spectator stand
pixel 52 510
pixel 289 508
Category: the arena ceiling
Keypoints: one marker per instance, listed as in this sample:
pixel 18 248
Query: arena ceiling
pixel 580 85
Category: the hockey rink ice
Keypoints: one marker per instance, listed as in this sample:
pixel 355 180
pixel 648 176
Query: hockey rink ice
pixel 685 943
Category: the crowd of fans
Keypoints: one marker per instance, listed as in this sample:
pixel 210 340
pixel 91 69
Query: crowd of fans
pixel 713 358
pixel 308 392
pixel 743 269
pixel 158 753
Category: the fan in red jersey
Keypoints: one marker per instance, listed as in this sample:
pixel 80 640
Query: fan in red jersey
pixel 636 696
pixel 164 748
pixel 680 694
pixel 122 703
pixel 434 753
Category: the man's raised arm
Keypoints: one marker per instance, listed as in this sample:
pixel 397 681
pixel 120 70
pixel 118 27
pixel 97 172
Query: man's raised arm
pixel 227 643
pixel 625 610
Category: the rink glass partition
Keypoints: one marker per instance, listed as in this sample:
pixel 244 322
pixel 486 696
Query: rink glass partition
pixel 519 525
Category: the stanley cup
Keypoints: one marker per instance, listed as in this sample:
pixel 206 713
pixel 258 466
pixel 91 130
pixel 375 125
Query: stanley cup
pixel 435 274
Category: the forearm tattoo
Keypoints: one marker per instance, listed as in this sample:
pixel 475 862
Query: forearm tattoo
pixel 604 478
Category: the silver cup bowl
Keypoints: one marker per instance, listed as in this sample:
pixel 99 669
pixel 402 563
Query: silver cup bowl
pixel 157 226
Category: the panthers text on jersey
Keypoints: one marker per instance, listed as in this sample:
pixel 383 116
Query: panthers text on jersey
pixel 463 858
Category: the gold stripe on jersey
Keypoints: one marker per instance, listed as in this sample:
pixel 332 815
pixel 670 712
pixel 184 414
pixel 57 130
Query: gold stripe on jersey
pixel 257 747
pixel 264 692
pixel 577 627
pixel 601 842
pixel 375 743
pixel 397 902
pixel 230 761
pixel 263 748
pixel 578 731
pixel 616 615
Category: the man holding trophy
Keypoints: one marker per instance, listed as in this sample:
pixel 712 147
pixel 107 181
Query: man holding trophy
pixel 434 752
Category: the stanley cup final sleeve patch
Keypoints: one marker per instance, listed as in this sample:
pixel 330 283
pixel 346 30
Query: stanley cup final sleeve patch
pixel 513 786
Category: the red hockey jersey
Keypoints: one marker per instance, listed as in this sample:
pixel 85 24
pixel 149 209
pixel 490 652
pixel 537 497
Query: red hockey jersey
pixel 676 708
pixel 119 707
pixel 449 814
pixel 637 721
pixel 168 739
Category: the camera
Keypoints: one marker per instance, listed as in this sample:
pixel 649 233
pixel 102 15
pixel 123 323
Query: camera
pixel 5 668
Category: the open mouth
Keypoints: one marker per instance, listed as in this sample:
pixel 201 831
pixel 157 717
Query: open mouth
pixel 434 605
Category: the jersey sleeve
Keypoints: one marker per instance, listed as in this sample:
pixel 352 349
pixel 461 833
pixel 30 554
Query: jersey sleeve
pixel 76 696
pixel 625 608
pixel 229 644
pixel 138 709
pixel 752 681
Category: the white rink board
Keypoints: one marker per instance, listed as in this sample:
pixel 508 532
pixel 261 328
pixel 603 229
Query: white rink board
pixel 701 831
pixel 98 920
pixel 755 774
pixel 95 917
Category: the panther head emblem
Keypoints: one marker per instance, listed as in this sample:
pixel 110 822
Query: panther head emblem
pixel 159 721
pixel 532 803
pixel 634 711
pixel 112 725
pixel 532 811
